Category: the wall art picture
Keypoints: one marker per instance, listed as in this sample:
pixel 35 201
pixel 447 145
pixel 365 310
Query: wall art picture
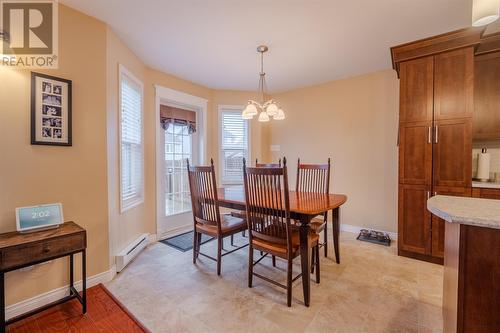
pixel 50 110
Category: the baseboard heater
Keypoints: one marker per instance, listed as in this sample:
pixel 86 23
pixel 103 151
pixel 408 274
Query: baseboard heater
pixel 131 251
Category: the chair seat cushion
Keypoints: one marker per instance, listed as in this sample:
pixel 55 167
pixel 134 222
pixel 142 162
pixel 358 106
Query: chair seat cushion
pixel 280 250
pixel 229 225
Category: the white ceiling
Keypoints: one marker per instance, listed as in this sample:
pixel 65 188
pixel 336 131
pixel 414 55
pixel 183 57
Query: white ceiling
pixel 212 42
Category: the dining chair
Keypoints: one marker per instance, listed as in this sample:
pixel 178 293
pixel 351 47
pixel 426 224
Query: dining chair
pixel 315 178
pixel 206 213
pixel 261 165
pixel 268 218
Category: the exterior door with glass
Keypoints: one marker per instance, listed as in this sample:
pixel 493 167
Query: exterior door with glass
pixel 180 143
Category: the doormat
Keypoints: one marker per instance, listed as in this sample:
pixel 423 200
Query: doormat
pixel 374 236
pixel 184 242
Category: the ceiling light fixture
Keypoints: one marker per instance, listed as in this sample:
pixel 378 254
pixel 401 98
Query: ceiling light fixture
pixel 268 108
pixel 485 12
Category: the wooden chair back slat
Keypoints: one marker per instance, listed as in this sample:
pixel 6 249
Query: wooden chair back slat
pixel 203 188
pixel 313 177
pixel 268 204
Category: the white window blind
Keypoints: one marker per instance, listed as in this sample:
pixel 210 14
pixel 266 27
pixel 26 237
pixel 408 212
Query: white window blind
pixel 234 145
pixel 131 168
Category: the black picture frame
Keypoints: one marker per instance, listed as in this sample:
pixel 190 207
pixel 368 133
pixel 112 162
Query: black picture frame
pixel 61 117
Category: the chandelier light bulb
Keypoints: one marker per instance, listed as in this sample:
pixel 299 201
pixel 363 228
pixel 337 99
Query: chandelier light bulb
pixel 280 115
pixel 263 117
pixel 272 109
pixel 485 12
pixel 245 115
pixel 251 110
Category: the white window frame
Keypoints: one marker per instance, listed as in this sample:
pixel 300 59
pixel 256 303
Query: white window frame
pixel 235 109
pixel 138 199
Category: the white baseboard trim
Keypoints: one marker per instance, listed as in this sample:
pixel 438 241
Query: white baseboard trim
pixel 152 238
pixel 30 304
pixel 175 232
pixel 355 229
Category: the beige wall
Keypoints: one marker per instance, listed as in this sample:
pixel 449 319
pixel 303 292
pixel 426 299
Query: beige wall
pixel 75 176
pixel 353 121
pixel 126 226
pixel 122 227
pixel 84 177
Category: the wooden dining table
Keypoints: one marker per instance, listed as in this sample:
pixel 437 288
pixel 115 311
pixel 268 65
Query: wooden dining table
pixel 304 206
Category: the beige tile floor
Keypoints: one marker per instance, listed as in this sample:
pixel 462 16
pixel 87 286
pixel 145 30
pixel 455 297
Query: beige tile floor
pixel 372 290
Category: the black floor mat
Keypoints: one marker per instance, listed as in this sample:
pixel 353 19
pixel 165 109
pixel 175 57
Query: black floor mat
pixel 184 242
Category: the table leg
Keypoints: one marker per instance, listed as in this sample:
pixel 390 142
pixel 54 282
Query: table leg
pixel 305 254
pixel 336 232
pixel 2 303
pixel 84 282
pixel 71 272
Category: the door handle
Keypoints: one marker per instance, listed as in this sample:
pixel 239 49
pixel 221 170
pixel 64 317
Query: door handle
pixel 429 135
pixel 436 137
pixel 428 195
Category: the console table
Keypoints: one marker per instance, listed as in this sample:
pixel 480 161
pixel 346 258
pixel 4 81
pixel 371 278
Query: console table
pixel 18 250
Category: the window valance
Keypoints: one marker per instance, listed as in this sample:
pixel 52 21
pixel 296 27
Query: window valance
pixel 172 115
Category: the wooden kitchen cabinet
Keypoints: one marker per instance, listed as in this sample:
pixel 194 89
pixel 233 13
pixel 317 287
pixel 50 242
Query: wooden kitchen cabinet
pixel 416 90
pixel 452 153
pixel 486 193
pixel 414 219
pixel 435 137
pixel 454 84
pixel 415 153
pixel 438 224
pixel 486 97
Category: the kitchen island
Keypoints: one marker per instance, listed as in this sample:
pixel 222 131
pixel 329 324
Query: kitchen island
pixel 471 289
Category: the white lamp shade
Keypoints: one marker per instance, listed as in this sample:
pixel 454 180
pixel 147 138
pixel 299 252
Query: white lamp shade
pixel 246 115
pixel 272 109
pixel 263 116
pixel 250 110
pixel 280 115
pixel 484 12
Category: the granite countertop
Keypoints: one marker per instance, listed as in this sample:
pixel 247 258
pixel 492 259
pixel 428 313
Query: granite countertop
pixel 486 184
pixel 471 211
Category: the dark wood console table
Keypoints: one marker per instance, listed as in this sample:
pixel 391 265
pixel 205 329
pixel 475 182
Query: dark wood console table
pixel 18 250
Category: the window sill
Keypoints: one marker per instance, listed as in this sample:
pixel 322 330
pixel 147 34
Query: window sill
pixel 131 204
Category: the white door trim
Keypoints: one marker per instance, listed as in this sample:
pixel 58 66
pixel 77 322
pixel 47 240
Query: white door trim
pixel 176 98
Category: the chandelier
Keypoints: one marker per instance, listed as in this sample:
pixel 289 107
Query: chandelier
pixel 265 109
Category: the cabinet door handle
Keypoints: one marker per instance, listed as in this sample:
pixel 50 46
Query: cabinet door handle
pixel 429 140
pixel 428 194
pixel 436 138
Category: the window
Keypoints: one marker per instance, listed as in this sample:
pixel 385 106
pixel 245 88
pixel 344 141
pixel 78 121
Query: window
pixel 131 138
pixel 234 143
pixel 178 148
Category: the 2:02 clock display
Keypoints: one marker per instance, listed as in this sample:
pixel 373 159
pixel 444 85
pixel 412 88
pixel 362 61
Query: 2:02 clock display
pixel 36 217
